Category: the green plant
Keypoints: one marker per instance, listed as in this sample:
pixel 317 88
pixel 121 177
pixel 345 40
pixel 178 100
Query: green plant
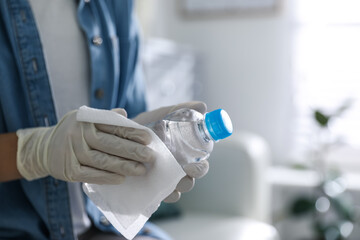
pixel 330 208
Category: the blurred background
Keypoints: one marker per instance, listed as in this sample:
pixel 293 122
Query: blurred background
pixel 287 72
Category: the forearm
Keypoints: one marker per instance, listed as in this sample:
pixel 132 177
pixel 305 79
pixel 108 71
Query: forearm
pixel 8 148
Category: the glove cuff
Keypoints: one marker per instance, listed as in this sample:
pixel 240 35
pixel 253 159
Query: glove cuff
pixel 30 158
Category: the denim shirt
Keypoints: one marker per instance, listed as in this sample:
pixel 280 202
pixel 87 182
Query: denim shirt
pixel 39 209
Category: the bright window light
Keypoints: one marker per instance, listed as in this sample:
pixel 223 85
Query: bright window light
pixel 326 66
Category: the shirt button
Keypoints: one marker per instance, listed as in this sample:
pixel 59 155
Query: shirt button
pixel 99 93
pixel 62 231
pixel 104 221
pixel 97 40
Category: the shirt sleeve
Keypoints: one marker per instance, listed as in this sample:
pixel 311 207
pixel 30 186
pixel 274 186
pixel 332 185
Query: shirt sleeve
pixel 136 95
pixel 136 92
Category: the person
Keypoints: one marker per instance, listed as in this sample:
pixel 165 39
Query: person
pixel 56 56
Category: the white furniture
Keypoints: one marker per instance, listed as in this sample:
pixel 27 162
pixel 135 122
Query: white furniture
pixel 288 184
pixel 231 201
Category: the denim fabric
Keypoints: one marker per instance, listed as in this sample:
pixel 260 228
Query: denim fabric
pixel 40 209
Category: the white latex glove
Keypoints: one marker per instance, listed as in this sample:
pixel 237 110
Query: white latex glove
pixel 193 170
pixel 83 152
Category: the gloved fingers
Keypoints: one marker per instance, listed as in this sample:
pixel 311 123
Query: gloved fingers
pixel 186 184
pixel 121 147
pixel 196 105
pixel 197 170
pixel 110 164
pixel 120 111
pixel 173 197
pixel 160 113
pixel 96 176
pixel 138 135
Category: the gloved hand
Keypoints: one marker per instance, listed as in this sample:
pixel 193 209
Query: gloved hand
pixel 193 170
pixel 83 152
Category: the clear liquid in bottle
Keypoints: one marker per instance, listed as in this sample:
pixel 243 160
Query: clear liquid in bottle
pixel 189 135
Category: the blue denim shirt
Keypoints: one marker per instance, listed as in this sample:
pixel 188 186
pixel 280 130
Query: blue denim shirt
pixel 40 209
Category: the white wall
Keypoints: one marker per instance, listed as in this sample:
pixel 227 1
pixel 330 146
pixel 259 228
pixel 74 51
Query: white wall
pixel 246 65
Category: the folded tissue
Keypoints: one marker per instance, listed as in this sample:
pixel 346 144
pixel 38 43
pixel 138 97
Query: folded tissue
pixel 129 205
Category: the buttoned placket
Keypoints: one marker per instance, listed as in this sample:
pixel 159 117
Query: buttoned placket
pixel 104 79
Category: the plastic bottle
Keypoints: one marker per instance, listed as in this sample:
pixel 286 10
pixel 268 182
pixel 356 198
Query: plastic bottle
pixel 189 135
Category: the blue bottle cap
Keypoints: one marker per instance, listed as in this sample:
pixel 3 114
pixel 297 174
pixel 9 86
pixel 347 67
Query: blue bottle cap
pixel 218 124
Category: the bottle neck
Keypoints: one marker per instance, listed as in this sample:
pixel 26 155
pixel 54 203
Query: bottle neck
pixel 204 133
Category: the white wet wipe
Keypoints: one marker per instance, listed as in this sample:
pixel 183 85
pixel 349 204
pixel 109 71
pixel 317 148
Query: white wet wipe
pixel 129 205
